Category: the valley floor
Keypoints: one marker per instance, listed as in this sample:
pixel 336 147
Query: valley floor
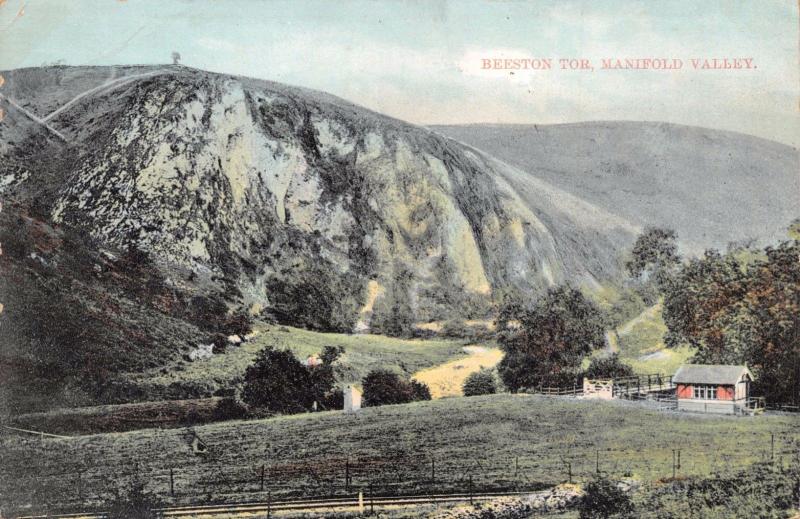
pixel 499 441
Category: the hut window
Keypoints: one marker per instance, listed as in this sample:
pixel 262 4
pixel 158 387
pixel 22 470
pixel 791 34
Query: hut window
pixel 705 392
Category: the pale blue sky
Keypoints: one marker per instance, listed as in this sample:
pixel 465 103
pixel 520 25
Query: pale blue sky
pixel 419 60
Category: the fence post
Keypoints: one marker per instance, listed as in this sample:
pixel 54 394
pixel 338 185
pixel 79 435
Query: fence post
pixel 470 489
pixel 347 475
pixel 673 463
pixel 772 448
pixel 269 504
pixel 371 499
pixel 433 470
pixel 80 487
pixel 569 470
pixel 597 461
pixel 261 479
pixel 171 482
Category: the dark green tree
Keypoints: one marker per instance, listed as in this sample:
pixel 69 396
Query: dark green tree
pixel 734 309
pixel 323 378
pixel 608 367
pixel 278 382
pixel 552 341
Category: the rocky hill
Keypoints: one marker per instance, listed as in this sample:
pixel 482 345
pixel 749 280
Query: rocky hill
pixel 148 209
pixel 713 187
pixel 147 200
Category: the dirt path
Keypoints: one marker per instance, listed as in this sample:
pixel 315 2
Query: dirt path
pixel 446 379
pixel 108 85
pixel 33 117
pixel 612 344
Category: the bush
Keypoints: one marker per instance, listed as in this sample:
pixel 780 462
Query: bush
pixel 458 329
pixel 229 408
pixel 419 391
pixel 480 383
pixel 602 499
pixel 382 387
pixel 608 367
pixel 136 503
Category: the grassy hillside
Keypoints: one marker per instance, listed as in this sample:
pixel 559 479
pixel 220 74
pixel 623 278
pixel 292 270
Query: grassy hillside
pixel 713 187
pixel 503 441
pixel 640 344
pixel 362 353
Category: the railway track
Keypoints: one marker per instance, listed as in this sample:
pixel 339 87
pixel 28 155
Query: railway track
pixel 304 505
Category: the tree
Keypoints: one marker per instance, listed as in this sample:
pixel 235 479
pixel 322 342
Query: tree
pixel 608 367
pixel 278 382
pixel 794 229
pixel 382 387
pixel 602 498
pixel 481 382
pixel 176 58
pixel 392 313
pixel 742 309
pixel 654 255
pixel 511 308
pixel 552 341
pixel 323 379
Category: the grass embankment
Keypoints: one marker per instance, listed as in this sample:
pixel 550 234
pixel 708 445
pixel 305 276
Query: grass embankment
pixel 640 344
pixel 362 354
pixel 502 441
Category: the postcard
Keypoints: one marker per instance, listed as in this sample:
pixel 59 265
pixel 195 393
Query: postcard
pixel 399 259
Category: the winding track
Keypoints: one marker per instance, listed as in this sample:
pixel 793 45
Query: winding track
pixel 105 87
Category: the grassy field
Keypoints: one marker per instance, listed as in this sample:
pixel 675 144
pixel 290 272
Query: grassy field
pixel 121 417
pixel 502 441
pixel 362 354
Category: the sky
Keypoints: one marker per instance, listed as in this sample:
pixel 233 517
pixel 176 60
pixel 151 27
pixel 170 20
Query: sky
pixel 421 60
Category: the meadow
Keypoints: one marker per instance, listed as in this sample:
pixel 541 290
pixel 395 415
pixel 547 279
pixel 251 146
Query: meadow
pixel 499 441
pixel 363 353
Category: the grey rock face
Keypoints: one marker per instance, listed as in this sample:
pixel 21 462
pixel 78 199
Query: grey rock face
pixel 280 194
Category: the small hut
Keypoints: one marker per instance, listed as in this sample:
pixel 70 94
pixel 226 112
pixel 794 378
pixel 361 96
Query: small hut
pixel 352 399
pixel 712 388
